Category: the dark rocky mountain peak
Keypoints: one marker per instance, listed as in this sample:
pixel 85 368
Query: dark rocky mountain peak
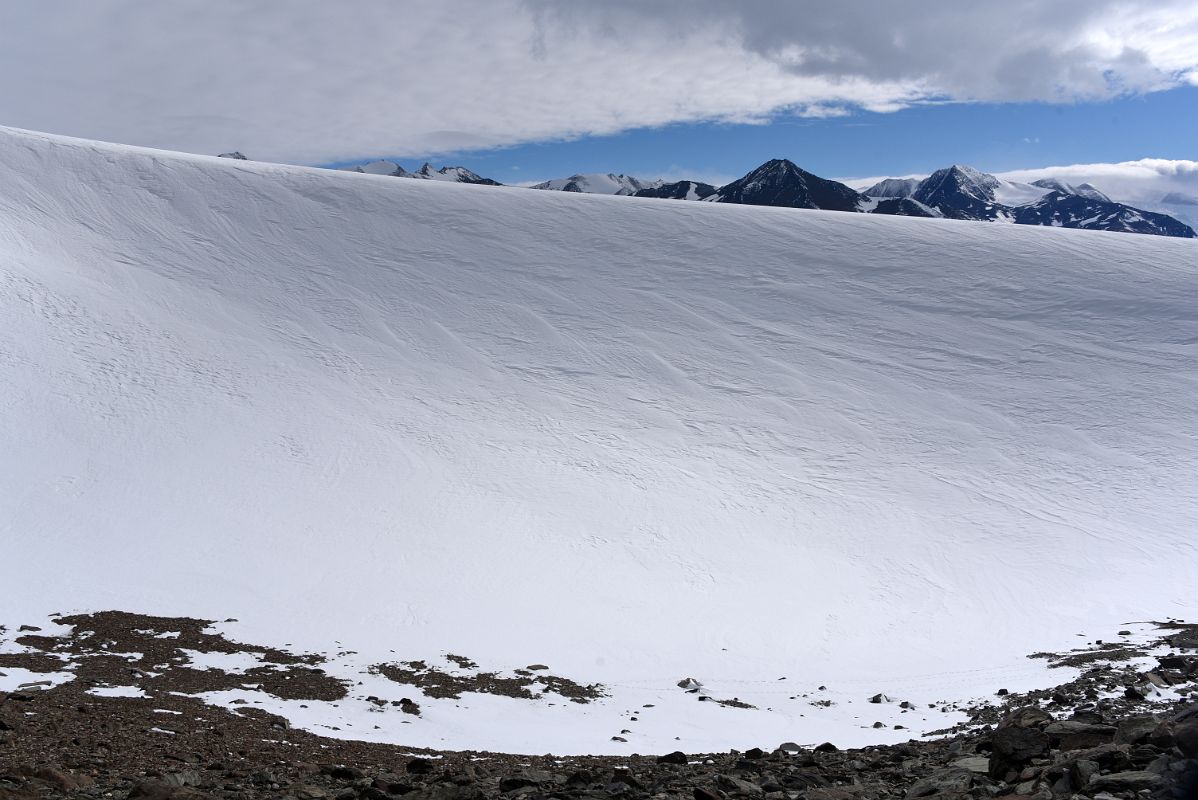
pixel 960 193
pixel 960 180
pixel 780 182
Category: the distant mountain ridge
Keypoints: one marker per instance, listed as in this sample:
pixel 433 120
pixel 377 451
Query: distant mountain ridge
pixel 599 183
pixel 956 192
pixel 426 172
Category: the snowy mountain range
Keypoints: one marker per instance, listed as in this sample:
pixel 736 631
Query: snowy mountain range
pixel 964 193
pixel 957 192
pixel 599 183
pixel 426 172
pixel 799 458
pixel 1156 184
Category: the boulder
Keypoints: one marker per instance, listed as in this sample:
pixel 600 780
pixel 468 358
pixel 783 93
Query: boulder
pixel 978 765
pixel 1123 782
pixel 1076 735
pixel 1081 772
pixel 734 785
pixel 1026 717
pixel 419 766
pixel 523 778
pixel 953 779
pixel 1136 729
pixel 1012 747
pixel 1185 737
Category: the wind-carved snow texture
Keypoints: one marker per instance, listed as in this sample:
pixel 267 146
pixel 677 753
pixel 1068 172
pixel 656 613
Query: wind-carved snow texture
pixel 633 440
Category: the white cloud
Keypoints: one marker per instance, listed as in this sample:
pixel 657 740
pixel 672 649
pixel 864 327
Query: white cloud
pixel 317 81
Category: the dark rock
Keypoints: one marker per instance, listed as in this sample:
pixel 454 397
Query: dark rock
pixel 153 790
pixel 1075 735
pixel 1123 782
pixel 580 778
pixel 523 778
pixel 305 792
pixel 1026 717
pixel 1013 747
pixel 7 793
pixel 391 784
pixel 976 764
pixel 1161 736
pixel 1172 662
pixel 1081 771
pixel 733 785
pixel 754 753
pixel 677 757
pixel 343 773
pixel 826 747
pixel 419 766
pixel 1185 737
pixel 953 779
pixel 703 794
pixel 1136 729
pixel 626 778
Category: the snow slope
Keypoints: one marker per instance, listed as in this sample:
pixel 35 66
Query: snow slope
pixel 636 441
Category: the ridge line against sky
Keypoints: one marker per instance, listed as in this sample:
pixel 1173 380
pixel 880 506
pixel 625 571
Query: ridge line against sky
pixel 319 83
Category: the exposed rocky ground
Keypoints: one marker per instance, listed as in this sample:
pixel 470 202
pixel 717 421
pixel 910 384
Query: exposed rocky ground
pixel 1117 730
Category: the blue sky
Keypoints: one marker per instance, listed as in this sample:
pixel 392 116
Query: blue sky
pixel 991 136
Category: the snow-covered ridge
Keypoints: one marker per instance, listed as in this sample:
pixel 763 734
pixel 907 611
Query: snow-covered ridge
pixel 634 440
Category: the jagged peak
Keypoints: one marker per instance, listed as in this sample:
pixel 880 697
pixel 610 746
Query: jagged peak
pixel 973 182
pixel 775 165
